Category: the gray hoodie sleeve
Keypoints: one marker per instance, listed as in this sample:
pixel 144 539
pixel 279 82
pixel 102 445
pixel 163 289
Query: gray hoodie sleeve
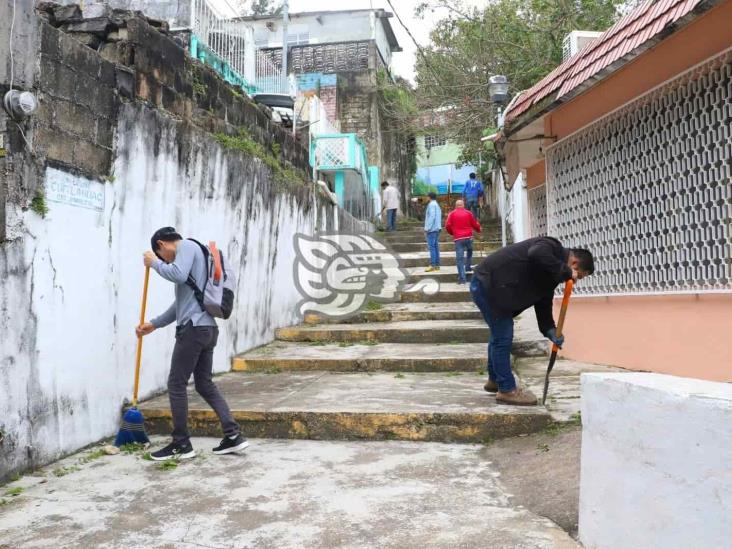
pixel 168 317
pixel 179 270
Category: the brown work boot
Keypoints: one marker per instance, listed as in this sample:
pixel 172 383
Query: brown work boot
pixel 491 386
pixel 517 397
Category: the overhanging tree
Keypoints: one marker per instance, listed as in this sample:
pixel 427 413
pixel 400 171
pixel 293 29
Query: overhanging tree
pixel 521 39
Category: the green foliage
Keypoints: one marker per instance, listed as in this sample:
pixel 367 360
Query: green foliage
pixel 521 39
pixel 420 188
pixel 398 105
pixel 399 376
pixel 91 456
pixel 266 7
pixel 63 471
pixel 244 142
pixel 168 465
pixel 132 448
pixel 199 88
pixel 38 204
pixel 373 306
pixel 13 492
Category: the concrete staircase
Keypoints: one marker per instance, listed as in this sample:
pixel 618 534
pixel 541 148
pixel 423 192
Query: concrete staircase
pixel 412 370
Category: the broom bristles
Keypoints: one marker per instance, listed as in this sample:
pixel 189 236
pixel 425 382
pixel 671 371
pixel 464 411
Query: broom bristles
pixel 132 429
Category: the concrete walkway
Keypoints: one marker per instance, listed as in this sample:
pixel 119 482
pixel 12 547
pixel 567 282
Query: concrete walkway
pixel 382 397
pixel 279 494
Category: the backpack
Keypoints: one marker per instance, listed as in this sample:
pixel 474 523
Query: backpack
pixel 217 295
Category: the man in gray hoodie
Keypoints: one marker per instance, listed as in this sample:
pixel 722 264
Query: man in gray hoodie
pixel 183 263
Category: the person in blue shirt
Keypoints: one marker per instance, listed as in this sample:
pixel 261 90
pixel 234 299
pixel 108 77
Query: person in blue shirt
pixel 432 227
pixel 473 195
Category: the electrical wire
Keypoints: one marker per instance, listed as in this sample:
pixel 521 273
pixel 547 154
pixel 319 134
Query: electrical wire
pixel 419 48
pixel 12 64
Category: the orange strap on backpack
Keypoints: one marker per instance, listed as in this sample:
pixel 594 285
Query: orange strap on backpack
pixel 218 270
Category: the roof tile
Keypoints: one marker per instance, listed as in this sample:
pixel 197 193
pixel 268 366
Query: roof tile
pixel 632 30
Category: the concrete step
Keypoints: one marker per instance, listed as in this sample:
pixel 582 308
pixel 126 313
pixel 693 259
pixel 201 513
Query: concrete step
pixel 411 331
pixel 446 274
pixel 419 236
pixel 449 292
pixel 281 356
pixel 330 406
pixel 445 247
pixel 410 260
pixel 406 311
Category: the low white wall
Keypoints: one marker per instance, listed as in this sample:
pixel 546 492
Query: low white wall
pixel 656 467
pixel 72 282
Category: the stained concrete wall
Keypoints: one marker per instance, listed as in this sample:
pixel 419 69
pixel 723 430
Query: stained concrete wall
pixel 176 12
pixel 655 462
pixel 71 281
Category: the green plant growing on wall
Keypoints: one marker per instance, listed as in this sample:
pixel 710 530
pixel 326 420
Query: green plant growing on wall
pixel 38 204
pixel 199 88
pixel 244 142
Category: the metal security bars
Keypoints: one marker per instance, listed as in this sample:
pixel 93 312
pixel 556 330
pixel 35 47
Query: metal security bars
pixel 224 44
pixel 649 189
pixel 537 211
pixel 269 75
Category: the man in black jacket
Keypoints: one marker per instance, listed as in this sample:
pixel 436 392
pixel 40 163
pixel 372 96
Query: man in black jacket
pixel 511 280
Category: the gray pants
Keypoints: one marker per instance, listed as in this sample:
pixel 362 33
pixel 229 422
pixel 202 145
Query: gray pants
pixel 193 354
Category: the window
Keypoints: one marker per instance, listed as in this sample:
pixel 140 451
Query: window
pixel 432 141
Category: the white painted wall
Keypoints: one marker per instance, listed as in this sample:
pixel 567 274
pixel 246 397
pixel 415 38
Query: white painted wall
pixel 656 468
pixel 519 208
pixel 72 282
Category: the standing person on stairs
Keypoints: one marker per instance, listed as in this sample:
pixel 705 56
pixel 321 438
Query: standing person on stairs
pixel 390 203
pixel 183 263
pixel 473 195
pixel 432 228
pixel 460 224
pixel 511 280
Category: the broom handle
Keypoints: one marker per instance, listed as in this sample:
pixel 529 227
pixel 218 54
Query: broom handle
pixel 138 358
pixel 563 311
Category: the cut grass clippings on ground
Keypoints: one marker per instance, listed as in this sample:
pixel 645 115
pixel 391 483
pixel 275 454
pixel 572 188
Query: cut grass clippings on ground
pixel 13 492
pixel 132 448
pixel 168 465
pixel 63 471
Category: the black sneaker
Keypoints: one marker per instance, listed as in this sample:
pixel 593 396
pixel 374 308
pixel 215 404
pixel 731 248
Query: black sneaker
pixel 174 451
pixel 229 446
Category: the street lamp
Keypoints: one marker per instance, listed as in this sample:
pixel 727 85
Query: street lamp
pixel 498 89
pixel 498 92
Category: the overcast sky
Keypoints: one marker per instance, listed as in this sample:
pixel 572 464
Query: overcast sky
pixel 403 63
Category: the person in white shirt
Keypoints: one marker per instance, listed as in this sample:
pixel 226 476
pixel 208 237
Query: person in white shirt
pixel 390 201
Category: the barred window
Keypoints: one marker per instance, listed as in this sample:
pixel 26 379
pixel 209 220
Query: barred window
pixel 648 189
pixel 432 141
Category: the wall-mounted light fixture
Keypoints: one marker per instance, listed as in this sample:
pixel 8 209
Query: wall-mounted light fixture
pixel 20 104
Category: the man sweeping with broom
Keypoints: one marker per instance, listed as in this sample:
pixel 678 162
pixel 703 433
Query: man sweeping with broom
pixel 186 263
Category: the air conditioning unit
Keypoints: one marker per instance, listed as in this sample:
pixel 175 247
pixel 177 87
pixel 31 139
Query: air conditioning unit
pixel 575 41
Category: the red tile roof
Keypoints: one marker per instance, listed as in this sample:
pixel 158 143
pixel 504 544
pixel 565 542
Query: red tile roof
pixel 632 30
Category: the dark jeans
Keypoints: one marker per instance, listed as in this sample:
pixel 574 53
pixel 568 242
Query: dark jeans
pixel 433 244
pixel 500 342
pixel 472 205
pixel 462 247
pixel 391 220
pixel 193 354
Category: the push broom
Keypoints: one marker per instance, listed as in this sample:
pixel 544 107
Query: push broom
pixel 562 313
pixel 133 423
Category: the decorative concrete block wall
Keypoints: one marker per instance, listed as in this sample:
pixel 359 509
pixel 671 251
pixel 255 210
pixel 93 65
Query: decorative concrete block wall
pixel 656 467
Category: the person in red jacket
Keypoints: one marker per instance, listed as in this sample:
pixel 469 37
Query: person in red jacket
pixel 460 224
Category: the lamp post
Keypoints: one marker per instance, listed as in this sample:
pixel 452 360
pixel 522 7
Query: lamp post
pixel 498 92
